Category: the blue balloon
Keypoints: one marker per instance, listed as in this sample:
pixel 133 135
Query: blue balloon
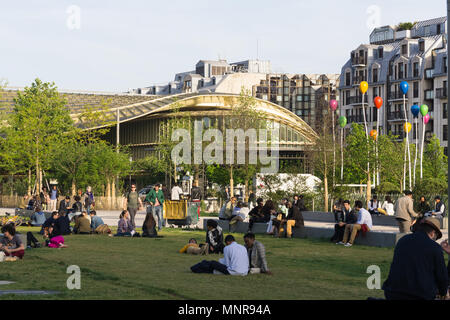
pixel 404 86
pixel 415 109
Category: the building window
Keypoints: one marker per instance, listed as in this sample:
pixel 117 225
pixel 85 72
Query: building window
pixel 415 69
pixel 421 46
pixel 400 70
pixel 347 78
pixel 438 29
pixel 380 53
pixel 445 64
pixel 444 110
pixel 415 89
pixel 445 133
pixel 375 75
pixel 404 49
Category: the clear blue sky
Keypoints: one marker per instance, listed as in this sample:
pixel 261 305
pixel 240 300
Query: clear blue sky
pixel 128 44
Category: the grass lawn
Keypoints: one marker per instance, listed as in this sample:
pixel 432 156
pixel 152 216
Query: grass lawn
pixel 143 268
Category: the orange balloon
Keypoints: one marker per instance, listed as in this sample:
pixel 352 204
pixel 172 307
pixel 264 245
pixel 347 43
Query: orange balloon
pixel 363 86
pixel 374 134
pixel 378 102
pixel 407 127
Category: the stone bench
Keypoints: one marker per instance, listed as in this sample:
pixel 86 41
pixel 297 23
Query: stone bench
pixel 372 238
pixel 29 213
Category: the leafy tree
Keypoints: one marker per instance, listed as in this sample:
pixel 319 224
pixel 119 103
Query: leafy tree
pixel 434 160
pixel 38 125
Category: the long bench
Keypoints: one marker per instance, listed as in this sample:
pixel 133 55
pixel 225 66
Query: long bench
pixel 373 238
pixel 387 221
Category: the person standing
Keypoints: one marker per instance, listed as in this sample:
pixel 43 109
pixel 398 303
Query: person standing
pixel 54 195
pixel 165 191
pixel 404 212
pixel 155 198
pixel 418 270
pixel 177 192
pixel 45 199
pixel 88 200
pixel 132 203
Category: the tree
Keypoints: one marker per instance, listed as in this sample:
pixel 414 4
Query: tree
pixel 38 125
pixel 435 161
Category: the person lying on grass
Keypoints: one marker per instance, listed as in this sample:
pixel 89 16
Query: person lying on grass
pixel 11 244
pixel 194 248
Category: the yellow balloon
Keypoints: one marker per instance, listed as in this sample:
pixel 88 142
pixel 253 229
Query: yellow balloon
pixel 407 127
pixel 363 86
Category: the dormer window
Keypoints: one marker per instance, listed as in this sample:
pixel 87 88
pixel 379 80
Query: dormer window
pixel 380 53
pixel 421 46
pixel 404 49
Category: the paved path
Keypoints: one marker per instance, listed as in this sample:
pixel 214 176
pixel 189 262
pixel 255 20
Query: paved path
pixel 111 217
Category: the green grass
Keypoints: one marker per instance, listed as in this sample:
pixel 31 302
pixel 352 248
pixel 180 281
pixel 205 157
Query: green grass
pixel 142 268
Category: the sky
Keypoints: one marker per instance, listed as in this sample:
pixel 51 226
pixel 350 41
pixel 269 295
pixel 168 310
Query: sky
pixel 114 45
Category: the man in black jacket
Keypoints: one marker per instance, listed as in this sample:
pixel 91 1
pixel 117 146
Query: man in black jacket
pixel 294 219
pixel 348 216
pixel 64 206
pixel 418 270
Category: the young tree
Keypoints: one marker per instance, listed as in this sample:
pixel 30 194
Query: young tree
pixel 435 161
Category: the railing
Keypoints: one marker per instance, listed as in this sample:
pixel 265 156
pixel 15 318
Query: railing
pixel 429 94
pixel 358 80
pixel 356 118
pixel 356 99
pixel 396 115
pixel 441 93
pixel 395 95
pixel 359 61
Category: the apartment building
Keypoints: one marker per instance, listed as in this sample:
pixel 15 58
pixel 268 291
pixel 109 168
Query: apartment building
pixel 417 56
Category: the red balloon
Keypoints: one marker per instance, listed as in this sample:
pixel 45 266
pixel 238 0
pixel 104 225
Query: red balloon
pixel 378 102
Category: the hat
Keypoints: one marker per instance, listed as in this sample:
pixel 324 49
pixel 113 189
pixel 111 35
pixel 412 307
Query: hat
pixel 435 224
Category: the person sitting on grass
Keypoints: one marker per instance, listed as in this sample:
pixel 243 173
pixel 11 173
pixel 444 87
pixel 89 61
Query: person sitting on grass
pixel 363 224
pixel 194 248
pixel 214 237
pixel 51 225
pixel 77 207
pixel 235 261
pixel 11 244
pixel 294 219
pixel 98 226
pixel 348 216
pixel 149 226
pixel 64 224
pixel 37 218
pixel 125 227
pixel 256 254
pixel 82 224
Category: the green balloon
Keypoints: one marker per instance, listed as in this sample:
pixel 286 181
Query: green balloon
pixel 342 121
pixel 424 110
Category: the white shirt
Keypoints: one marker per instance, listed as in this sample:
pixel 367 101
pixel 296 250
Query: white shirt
pixel 241 212
pixel 373 206
pixel 236 259
pixel 388 207
pixel 364 217
pixel 176 191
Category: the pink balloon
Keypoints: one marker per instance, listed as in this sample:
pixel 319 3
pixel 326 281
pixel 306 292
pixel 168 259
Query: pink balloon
pixel 333 105
pixel 426 118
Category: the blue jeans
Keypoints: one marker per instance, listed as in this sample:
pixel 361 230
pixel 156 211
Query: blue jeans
pixel 157 212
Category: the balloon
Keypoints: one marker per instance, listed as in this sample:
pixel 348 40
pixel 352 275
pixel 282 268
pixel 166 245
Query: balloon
pixel 426 118
pixel 423 109
pixel 404 86
pixel 333 105
pixel 415 110
pixel 374 134
pixel 378 102
pixel 407 127
pixel 363 86
pixel 342 121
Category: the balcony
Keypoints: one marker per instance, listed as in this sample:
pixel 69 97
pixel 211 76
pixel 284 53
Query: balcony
pixel 358 61
pixel 429 95
pixel 356 99
pixel 358 80
pixel 396 96
pixel 429 73
pixel 396 116
pixel 441 93
pixel 356 118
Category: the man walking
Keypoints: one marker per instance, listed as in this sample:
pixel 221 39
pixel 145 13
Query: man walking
pixel 418 270
pixel 155 198
pixel 132 203
pixel 404 212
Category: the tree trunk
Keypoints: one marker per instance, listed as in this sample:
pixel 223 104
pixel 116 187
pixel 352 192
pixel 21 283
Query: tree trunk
pixel 74 188
pixel 113 193
pixel 108 190
pixel 369 189
pixel 246 190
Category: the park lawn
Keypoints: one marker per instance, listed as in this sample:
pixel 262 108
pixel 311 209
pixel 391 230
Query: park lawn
pixel 145 268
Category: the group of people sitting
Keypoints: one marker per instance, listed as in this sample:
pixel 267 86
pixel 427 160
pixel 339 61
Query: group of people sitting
pixel 237 260
pixel 279 219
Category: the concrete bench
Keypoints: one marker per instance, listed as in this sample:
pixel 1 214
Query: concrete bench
pixel 372 238
pixel 29 213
